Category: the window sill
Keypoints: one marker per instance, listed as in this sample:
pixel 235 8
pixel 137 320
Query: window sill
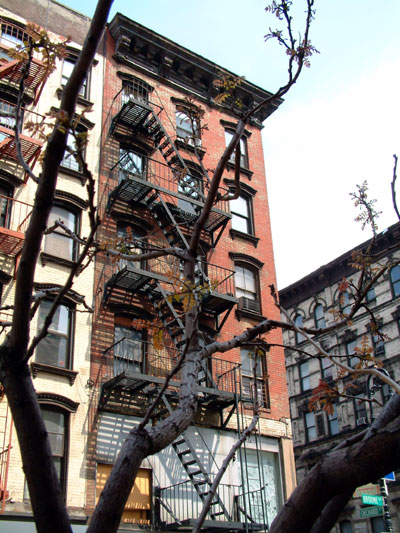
pixel 48 258
pixel 81 99
pixel 74 173
pixel 245 171
pixel 189 147
pixel 244 313
pixel 245 236
pixel 64 372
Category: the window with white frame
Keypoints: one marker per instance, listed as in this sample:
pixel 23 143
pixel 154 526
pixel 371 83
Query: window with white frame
pixel 244 163
pixel 304 370
pixel 59 243
pixel 56 348
pixel 68 66
pixel 310 426
pixel 187 128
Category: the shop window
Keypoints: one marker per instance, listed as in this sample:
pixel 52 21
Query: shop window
pixel 244 163
pixel 319 316
pixel 67 68
pixel 129 348
pixel 261 383
pixel 298 320
pixel 131 164
pixel 304 370
pixel 246 283
pixel 58 243
pixel 242 219
pixel 137 509
pixel 187 129
pixel 56 348
pixel 395 280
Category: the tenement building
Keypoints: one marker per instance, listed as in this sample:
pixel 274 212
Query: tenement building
pixel 155 128
pixel 61 364
pixel 312 302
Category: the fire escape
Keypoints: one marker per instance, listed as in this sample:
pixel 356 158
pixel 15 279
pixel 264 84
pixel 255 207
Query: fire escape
pixel 165 187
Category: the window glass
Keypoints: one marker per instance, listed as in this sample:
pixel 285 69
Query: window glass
pixel 58 243
pixel 7 114
pixel 70 160
pixel 327 368
pixel 344 301
pixel 241 214
pixel 131 164
pixel 128 350
pixel 305 376
pixel 333 422
pixel 319 316
pixel 360 411
pixel 353 359
pixel 11 34
pixel 54 348
pixel 395 280
pixel 135 90
pixel 245 283
pixel 247 359
pixel 378 344
pixel 67 68
pixel 191 186
pixel 243 149
pixel 299 323
pixel 5 205
pixel 187 129
pixel 55 422
pixel 311 431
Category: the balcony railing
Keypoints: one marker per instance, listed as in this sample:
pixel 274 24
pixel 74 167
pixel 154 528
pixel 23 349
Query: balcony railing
pixel 132 356
pixel 11 34
pixel 14 219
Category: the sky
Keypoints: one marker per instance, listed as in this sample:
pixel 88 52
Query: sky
pixel 338 126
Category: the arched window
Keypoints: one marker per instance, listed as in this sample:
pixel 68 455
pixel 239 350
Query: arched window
pixel 319 316
pixel 395 280
pixel 299 323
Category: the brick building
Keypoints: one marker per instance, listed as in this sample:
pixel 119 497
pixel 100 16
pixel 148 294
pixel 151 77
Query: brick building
pixel 140 140
pixel 310 302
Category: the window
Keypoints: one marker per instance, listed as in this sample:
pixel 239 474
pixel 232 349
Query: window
pixel 346 527
pixel 135 89
pixel 70 159
pixel 326 369
pixel 242 215
pixel 55 349
pixel 305 376
pixel 344 303
pixel 246 284
pixel 187 128
pixel 243 149
pixel 12 34
pixel 360 413
pixel 67 68
pixel 319 317
pixel 299 323
pixel 247 369
pixel 352 359
pixel 370 296
pixel 5 205
pixel 131 163
pixel 395 280
pixel 333 422
pixel 128 236
pixel 378 524
pixel 7 114
pixel 58 243
pixel 311 430
pixel 128 348
pixel 378 344
pixel 137 509
pixel 56 425
pixel 190 185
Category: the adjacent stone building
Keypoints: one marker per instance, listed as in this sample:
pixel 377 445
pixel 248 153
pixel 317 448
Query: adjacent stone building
pixel 311 302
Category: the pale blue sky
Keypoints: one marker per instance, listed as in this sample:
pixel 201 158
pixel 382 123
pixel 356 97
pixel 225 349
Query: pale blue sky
pixel 338 126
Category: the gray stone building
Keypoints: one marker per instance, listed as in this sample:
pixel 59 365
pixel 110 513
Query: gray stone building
pixel 311 302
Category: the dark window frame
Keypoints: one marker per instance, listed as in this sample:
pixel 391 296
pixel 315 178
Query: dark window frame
pixel 299 321
pixel 304 376
pixel 319 320
pixel 244 298
pixel 261 378
pixel 395 281
pixel 248 217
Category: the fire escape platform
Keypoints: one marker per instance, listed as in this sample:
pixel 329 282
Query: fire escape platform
pixel 145 385
pixel 11 242
pixel 132 114
pixel 212 526
pixel 135 279
pixel 135 189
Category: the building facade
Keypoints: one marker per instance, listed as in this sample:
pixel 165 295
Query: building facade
pixel 311 302
pixel 96 374
pixel 61 364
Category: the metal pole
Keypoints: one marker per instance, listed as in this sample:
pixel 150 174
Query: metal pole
pixel 386 513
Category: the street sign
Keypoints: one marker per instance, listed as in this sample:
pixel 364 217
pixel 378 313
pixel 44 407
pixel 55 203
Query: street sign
pixel 390 477
pixel 371 511
pixel 367 489
pixel 369 499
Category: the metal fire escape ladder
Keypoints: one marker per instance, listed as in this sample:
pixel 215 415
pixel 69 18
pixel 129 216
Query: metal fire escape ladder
pixel 168 150
pixel 196 472
pixel 166 220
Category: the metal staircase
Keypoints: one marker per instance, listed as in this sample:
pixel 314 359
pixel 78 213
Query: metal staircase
pixel 197 473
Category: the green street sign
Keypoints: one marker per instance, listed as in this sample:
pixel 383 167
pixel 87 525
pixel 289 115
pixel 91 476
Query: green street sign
pixel 371 511
pixel 370 499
